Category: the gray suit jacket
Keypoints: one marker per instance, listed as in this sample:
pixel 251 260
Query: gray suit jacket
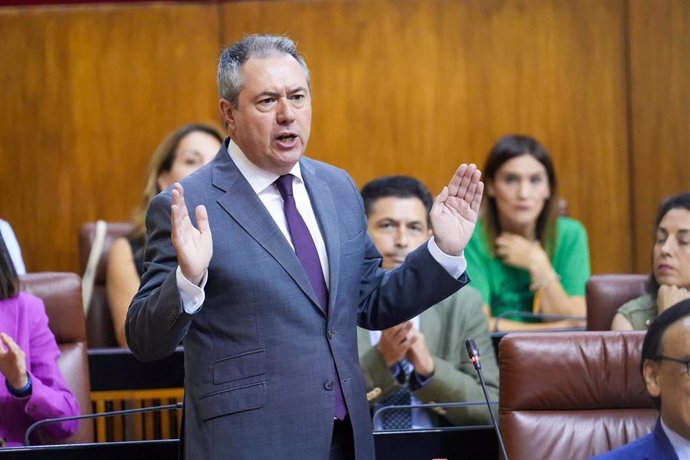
pixel 445 326
pixel 260 355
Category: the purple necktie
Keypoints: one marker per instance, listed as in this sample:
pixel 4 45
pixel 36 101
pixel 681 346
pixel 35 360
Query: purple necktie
pixel 306 252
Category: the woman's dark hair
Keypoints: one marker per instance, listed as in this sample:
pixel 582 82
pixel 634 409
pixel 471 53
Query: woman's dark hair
pixel 9 281
pixel 651 347
pixel 509 147
pixel 680 201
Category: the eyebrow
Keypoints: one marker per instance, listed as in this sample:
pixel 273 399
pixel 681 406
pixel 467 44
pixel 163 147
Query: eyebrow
pixel 277 93
pixel 192 150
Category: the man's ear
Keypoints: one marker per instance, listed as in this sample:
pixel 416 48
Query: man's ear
pixel 650 373
pixel 228 114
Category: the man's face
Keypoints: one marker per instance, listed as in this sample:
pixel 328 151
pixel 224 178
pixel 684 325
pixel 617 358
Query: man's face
pixel 397 226
pixel 272 121
pixel 670 381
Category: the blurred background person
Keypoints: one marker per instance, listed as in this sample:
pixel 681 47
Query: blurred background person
pixel 422 360
pixel 182 152
pixel 12 246
pixel 670 279
pixel 34 388
pixel 523 256
pixel 665 367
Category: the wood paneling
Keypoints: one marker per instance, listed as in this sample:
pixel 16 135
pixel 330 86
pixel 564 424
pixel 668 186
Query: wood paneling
pixel 400 87
pixel 418 86
pixel 660 105
pixel 87 94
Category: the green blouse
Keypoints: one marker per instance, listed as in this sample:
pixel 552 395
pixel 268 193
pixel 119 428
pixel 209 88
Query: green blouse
pixel 505 288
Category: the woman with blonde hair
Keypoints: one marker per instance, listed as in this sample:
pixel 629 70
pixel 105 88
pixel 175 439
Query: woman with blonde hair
pixel 182 152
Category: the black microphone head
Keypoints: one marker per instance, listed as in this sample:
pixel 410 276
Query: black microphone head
pixel 473 353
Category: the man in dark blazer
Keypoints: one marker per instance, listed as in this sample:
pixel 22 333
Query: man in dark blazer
pixel 665 366
pixel 271 365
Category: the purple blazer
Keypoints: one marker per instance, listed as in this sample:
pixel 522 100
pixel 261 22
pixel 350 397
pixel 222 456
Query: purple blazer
pixel 24 319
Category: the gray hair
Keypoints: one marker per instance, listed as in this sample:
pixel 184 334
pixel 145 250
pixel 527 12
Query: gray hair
pixel 232 58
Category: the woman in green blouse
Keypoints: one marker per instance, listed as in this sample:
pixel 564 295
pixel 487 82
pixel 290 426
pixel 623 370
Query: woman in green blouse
pixel 523 257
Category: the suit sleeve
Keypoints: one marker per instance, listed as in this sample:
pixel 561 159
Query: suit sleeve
pixel 156 321
pixel 455 379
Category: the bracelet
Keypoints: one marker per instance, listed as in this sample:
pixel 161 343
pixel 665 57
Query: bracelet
pixel 21 392
pixel 535 286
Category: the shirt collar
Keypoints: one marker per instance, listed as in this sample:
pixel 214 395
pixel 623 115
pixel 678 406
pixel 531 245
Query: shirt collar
pixel 259 179
pixel 679 443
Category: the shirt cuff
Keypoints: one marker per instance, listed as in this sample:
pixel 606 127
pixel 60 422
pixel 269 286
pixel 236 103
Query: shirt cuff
pixel 417 381
pixel 454 265
pixel 191 295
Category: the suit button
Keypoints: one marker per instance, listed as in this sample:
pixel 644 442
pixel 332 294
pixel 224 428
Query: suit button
pixel 331 334
pixel 328 384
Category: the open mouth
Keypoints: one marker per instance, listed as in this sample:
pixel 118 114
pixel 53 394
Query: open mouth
pixel 286 137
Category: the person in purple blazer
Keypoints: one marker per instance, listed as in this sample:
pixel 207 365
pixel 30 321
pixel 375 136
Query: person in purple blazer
pixel 33 387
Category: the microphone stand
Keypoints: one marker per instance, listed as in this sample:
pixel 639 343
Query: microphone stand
pixel 546 317
pixel 448 405
pixel 47 421
pixel 473 352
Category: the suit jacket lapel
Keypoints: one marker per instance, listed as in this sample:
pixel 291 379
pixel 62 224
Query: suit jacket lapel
pixel 324 206
pixel 245 207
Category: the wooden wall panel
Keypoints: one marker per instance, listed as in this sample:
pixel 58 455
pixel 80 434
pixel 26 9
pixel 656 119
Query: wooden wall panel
pixel 87 94
pixel 400 86
pixel 418 86
pixel 660 104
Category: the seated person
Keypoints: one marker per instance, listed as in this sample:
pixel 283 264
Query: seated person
pixel 424 359
pixel 182 152
pixel 523 257
pixel 12 246
pixel 33 387
pixel 670 279
pixel 665 366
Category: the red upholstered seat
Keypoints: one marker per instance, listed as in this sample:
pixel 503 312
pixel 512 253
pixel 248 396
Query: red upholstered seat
pixel 61 294
pixel 572 395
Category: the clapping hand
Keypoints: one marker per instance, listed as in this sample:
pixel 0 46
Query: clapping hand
pixel 12 362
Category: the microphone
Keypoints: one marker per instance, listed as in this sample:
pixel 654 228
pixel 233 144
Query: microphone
pixel 473 353
pixel 47 421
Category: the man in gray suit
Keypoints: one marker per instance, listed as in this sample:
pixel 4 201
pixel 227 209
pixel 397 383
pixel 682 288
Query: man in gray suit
pixel 271 366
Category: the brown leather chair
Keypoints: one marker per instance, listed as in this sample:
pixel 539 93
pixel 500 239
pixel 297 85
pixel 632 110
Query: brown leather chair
pixel 606 293
pixel 572 395
pixel 61 294
pixel 99 322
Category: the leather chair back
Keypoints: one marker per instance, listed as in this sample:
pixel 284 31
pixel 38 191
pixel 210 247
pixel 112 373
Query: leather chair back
pixel 99 322
pixel 572 395
pixel 61 294
pixel 606 293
